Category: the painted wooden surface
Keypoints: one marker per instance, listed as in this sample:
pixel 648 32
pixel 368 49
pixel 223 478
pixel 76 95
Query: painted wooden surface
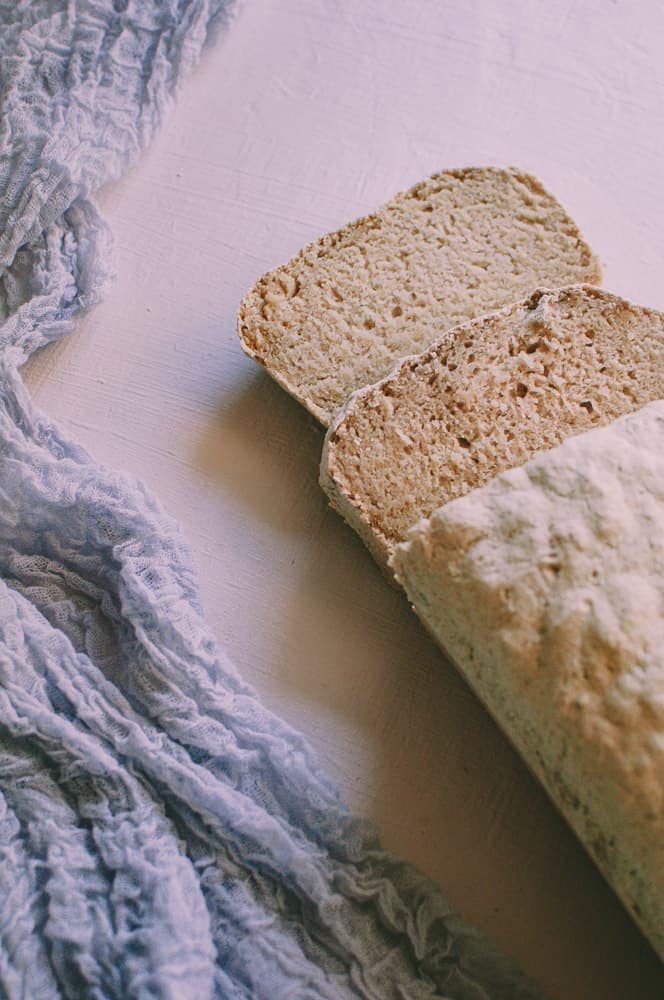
pixel 308 113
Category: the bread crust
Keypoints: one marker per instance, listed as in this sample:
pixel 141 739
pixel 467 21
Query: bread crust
pixel 546 588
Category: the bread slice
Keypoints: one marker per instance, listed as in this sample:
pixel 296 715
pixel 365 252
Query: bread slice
pixel 488 396
pixel 546 587
pixel 347 307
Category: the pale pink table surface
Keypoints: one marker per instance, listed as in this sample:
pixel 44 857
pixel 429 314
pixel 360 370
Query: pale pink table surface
pixel 308 113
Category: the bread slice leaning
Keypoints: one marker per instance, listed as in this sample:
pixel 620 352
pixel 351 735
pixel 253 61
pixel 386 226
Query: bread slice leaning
pixel 347 307
pixel 546 587
pixel 488 396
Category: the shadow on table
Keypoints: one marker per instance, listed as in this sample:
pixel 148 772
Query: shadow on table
pixel 261 433
pixel 446 789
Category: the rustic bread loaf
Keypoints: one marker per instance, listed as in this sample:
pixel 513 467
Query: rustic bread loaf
pixel 546 587
pixel 347 307
pixel 487 397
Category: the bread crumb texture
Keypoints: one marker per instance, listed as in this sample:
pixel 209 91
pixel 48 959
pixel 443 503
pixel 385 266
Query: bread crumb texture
pixel 457 245
pixel 485 398
pixel 547 588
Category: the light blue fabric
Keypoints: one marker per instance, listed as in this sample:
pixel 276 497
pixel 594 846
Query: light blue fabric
pixel 161 833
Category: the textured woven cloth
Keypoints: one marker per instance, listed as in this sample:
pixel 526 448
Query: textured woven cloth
pixel 161 833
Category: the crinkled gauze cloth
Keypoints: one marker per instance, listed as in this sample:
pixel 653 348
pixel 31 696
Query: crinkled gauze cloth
pixel 161 833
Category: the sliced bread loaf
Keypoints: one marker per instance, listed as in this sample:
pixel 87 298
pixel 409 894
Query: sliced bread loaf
pixel 485 398
pixel 546 587
pixel 347 307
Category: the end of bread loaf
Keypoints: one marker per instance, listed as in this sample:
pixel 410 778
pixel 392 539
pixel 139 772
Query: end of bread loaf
pixel 487 397
pixel 546 587
pixel 459 244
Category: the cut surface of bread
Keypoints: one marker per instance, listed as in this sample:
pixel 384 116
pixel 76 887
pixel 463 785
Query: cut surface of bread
pixel 487 397
pixel 546 587
pixel 347 307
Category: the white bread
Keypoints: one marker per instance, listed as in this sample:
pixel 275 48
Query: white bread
pixel 347 307
pixel 485 398
pixel 546 587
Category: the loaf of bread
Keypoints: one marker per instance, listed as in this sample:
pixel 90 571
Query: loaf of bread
pixel 488 396
pixel 546 587
pixel 347 307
